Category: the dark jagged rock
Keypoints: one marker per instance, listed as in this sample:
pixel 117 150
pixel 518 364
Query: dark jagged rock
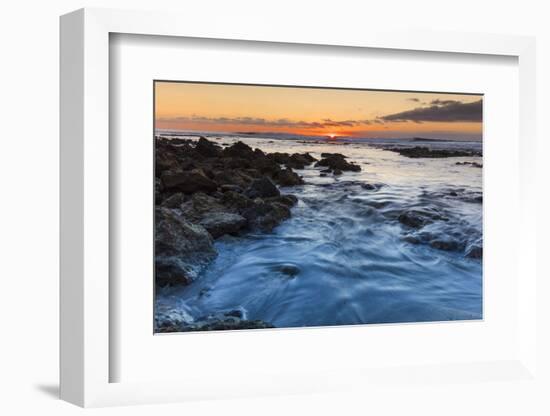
pixel 165 159
pixel 233 212
pixel 182 248
pixel 426 152
pixel 158 190
pixel 308 157
pixel 221 223
pixel 236 162
pixel 173 201
pixel 294 161
pixel 266 166
pixel 236 313
pixel 262 188
pixel 236 201
pixel 444 243
pixel 411 220
pixel 199 206
pixel 471 196
pixel 169 272
pixel 207 148
pixel 325 155
pixel 258 153
pixel 188 182
pixel 265 216
pixel 287 269
pixel 253 173
pixel 233 177
pixel 204 191
pixel 447 245
pixel 472 164
pixel 211 214
pixel 234 188
pixel 240 150
pixel 175 235
pixel 218 322
pixel 287 177
pixel 179 140
pixel 299 161
pixel 418 219
pixel 337 162
pixel 280 158
pixel 475 252
pixel 372 186
pixel 288 200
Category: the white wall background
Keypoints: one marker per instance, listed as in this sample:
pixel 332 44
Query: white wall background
pixel 29 57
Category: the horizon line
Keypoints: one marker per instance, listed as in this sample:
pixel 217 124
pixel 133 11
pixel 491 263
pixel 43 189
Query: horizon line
pixel 314 136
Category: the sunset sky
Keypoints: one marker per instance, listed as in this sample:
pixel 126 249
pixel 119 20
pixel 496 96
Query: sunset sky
pixel 317 112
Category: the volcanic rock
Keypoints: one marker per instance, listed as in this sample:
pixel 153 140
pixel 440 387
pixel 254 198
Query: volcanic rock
pixel 182 248
pixel 262 188
pixel 338 162
pixel 426 152
pixel 188 182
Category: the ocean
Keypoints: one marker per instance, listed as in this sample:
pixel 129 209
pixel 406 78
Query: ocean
pixel 352 260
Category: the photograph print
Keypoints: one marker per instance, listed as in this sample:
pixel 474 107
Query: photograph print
pixel 288 206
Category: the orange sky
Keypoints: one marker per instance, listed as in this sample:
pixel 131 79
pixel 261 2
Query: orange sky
pixel 315 111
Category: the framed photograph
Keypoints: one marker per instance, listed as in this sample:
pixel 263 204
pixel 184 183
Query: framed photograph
pixel 280 207
pixel 323 202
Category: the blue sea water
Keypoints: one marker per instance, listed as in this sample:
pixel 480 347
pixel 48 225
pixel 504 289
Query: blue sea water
pixel 344 258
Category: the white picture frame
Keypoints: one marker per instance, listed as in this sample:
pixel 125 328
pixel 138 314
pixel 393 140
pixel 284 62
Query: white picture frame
pixel 85 217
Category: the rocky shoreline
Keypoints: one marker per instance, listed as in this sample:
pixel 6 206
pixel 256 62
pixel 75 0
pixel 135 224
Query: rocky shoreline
pixel 205 191
pixel 425 152
pixel 230 320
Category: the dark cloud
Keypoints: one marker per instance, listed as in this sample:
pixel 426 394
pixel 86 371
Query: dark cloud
pixel 282 122
pixel 371 121
pixel 327 122
pixel 441 110
pixel 255 121
pixel 445 102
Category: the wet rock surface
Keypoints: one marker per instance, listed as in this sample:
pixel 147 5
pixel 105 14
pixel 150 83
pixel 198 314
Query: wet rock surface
pixel 456 193
pixel 426 152
pixel 264 216
pixel 221 223
pixel 182 249
pixel 187 181
pixel 472 164
pixel 440 230
pixel 262 188
pixel 419 218
pixel 287 177
pixel 372 186
pixel 475 251
pixel 204 191
pixel 337 163
pixel 175 321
